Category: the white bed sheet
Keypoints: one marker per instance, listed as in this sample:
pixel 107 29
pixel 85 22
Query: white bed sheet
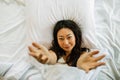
pixel 15 36
pixel 107 17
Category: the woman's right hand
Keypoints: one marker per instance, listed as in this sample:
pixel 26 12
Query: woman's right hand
pixel 40 53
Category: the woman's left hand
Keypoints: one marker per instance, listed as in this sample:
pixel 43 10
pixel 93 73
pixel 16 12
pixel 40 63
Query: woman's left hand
pixel 87 62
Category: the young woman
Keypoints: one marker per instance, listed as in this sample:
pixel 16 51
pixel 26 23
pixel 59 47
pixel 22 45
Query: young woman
pixel 66 44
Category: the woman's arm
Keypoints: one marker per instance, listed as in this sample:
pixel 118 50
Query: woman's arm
pixel 42 54
pixel 87 62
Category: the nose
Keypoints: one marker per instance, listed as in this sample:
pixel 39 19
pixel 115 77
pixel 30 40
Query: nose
pixel 66 42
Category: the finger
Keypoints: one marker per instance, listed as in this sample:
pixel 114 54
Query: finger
pixel 43 59
pixel 95 65
pixel 37 45
pixel 31 49
pixel 100 64
pixel 94 52
pixel 99 58
pixel 33 54
pixel 39 56
pixel 36 55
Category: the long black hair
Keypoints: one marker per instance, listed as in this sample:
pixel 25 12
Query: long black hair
pixel 77 50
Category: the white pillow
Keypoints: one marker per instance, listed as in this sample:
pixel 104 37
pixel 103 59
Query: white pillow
pixel 12 1
pixel 12 29
pixel 43 14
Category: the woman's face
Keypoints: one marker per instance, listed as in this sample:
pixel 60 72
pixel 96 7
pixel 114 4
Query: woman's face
pixel 66 39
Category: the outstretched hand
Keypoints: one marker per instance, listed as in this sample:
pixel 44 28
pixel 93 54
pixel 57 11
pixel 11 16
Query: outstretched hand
pixel 87 61
pixel 39 52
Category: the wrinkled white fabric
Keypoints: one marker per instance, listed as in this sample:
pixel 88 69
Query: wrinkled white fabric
pixel 25 21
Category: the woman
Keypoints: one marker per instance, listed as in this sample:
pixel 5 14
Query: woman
pixel 67 40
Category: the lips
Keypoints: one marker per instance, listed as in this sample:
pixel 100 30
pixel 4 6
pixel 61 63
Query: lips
pixel 67 47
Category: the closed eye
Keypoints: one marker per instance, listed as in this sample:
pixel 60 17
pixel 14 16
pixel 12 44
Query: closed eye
pixel 61 38
pixel 69 37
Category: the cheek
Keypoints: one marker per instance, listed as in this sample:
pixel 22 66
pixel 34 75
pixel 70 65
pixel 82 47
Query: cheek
pixel 73 41
pixel 59 43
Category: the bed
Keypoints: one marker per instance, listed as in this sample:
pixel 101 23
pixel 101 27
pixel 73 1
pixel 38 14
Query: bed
pixel 25 21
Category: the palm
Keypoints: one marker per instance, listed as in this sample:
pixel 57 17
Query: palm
pixel 88 62
pixel 40 52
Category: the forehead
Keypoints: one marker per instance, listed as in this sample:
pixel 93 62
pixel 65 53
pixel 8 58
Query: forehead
pixel 65 32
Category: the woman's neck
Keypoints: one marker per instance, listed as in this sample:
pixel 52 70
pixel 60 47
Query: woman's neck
pixel 67 53
pixel 66 56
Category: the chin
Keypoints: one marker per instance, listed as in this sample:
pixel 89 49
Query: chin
pixel 68 50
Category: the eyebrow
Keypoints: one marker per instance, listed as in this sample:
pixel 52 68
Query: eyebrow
pixel 67 35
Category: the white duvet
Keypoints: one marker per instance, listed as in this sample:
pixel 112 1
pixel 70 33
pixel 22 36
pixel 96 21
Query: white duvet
pixel 25 21
pixel 30 69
